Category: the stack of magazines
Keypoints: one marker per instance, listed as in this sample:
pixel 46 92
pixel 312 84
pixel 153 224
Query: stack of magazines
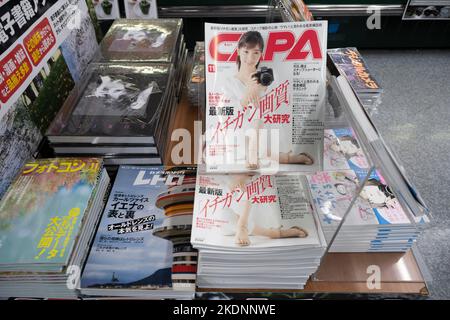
pixel 254 223
pixel 47 219
pixel 121 108
pixel 376 221
pixel 350 64
pixel 255 232
pixel 142 246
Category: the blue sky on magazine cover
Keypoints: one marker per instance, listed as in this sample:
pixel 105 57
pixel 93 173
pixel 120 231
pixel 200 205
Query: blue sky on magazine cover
pixel 133 261
pixel 21 239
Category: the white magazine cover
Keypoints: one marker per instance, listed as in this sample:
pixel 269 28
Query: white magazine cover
pixel 265 97
pixel 253 213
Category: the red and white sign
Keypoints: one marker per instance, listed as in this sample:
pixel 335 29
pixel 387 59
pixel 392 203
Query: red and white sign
pixel 30 33
pixel 40 41
pixel 16 68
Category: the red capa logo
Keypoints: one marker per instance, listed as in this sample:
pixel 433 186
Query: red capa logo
pixel 278 42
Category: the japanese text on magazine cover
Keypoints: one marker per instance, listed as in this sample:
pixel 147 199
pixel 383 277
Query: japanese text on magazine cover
pixel 265 96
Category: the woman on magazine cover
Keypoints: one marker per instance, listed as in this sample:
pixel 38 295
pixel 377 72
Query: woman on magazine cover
pixel 244 221
pixel 246 90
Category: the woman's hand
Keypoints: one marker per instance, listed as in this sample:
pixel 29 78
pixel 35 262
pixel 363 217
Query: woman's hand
pixel 253 91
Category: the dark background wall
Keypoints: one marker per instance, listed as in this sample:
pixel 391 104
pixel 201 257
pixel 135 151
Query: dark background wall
pixel 346 30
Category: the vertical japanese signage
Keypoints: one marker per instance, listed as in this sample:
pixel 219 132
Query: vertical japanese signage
pixel 30 32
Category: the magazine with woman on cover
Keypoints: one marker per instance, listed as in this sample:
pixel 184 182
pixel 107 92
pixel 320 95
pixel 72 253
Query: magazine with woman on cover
pixel 253 213
pixel 265 96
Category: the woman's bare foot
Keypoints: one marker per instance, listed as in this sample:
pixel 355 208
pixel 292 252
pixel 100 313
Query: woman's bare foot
pixel 251 166
pixel 251 158
pixel 301 158
pixel 292 232
pixel 241 237
pixel 251 161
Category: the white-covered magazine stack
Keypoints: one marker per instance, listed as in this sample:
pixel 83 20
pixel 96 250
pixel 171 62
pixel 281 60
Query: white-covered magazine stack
pixel 255 232
pixel 253 222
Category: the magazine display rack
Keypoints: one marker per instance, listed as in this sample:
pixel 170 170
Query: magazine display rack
pixel 362 214
pixel 356 250
pixel 343 221
pixel 403 273
pixel 380 162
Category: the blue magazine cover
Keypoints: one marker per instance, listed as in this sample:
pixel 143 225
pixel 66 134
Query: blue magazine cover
pixel 42 212
pixel 128 252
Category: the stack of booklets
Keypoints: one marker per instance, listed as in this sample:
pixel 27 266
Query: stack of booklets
pixel 255 232
pixel 142 246
pixel 196 84
pixel 376 221
pixel 385 160
pixel 150 40
pixel 350 64
pixel 47 219
pixel 122 106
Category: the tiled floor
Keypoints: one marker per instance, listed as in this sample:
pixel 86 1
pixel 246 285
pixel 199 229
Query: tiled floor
pixel 414 119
